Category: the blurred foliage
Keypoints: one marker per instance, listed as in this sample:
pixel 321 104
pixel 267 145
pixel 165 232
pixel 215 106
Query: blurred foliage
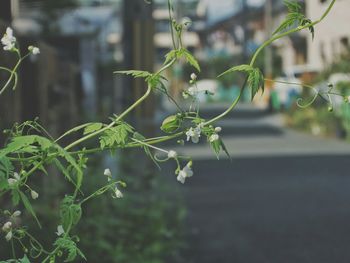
pixel 143 227
pixel 316 118
pixel 341 65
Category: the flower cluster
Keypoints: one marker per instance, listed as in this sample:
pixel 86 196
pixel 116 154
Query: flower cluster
pixel 8 226
pixel 8 40
pixel 194 133
pixel 185 173
pixel 116 192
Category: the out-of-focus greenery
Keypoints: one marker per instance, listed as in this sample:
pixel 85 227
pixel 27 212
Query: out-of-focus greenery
pixel 317 119
pixel 145 226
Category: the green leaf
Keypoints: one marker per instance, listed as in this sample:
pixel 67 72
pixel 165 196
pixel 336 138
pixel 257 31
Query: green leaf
pixel 15 198
pixel 255 81
pixel 216 146
pixel 70 159
pixel 240 68
pixel 191 60
pixel 6 168
pixel 70 213
pixel 135 73
pixel 170 56
pixel 23 144
pixel 29 207
pixel 92 127
pixel 64 171
pixel 70 247
pixel 115 136
pixel 223 147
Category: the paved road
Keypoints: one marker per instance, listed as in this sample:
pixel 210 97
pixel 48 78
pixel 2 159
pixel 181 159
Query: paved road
pixel 284 198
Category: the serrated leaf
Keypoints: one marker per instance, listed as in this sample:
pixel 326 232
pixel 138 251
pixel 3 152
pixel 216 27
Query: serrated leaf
pixel 70 213
pixel 170 56
pixel 191 60
pixel 240 68
pixel 70 247
pixel 290 20
pixel 92 127
pixel 255 82
pixel 29 207
pixel 23 144
pixel 292 6
pixel 115 136
pixel 134 73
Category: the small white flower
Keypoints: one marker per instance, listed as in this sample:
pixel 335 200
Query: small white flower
pixel 193 76
pixel 218 129
pixel 34 50
pixel 16 213
pixel 7 226
pixel 185 173
pixel 214 137
pixel 108 173
pixel 60 230
pixel 34 194
pixel 118 193
pixel 12 181
pixel 172 154
pixel 193 134
pixel 16 176
pixel 8 237
pixel 8 40
pixel 192 91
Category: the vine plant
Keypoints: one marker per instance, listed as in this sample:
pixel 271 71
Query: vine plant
pixel 30 149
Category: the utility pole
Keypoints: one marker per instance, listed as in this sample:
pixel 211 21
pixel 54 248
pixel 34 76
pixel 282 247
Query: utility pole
pixel 268 31
pixel 138 54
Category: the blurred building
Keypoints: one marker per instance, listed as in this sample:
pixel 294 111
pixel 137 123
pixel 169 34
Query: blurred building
pixel 332 36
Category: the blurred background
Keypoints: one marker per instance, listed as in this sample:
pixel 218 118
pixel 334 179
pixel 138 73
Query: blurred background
pixel 284 195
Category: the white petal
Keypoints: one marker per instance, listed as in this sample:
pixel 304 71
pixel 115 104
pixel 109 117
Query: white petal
pixel 34 194
pixel 16 213
pixel 60 230
pixel 107 172
pixel 8 237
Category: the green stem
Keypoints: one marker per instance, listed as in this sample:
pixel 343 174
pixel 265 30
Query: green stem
pixel 299 28
pixel 121 116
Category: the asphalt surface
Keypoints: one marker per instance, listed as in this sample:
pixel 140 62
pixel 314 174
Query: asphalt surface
pixel 283 198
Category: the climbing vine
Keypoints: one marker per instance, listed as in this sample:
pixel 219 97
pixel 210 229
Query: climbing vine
pixel 30 149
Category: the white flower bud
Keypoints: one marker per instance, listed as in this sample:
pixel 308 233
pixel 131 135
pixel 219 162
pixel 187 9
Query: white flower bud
pixel 16 213
pixel 172 154
pixel 12 181
pixel 118 193
pixel 34 194
pixel 34 50
pixel 218 129
pixel 107 172
pixel 193 76
pixel 7 226
pixel 8 237
pixel 60 230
